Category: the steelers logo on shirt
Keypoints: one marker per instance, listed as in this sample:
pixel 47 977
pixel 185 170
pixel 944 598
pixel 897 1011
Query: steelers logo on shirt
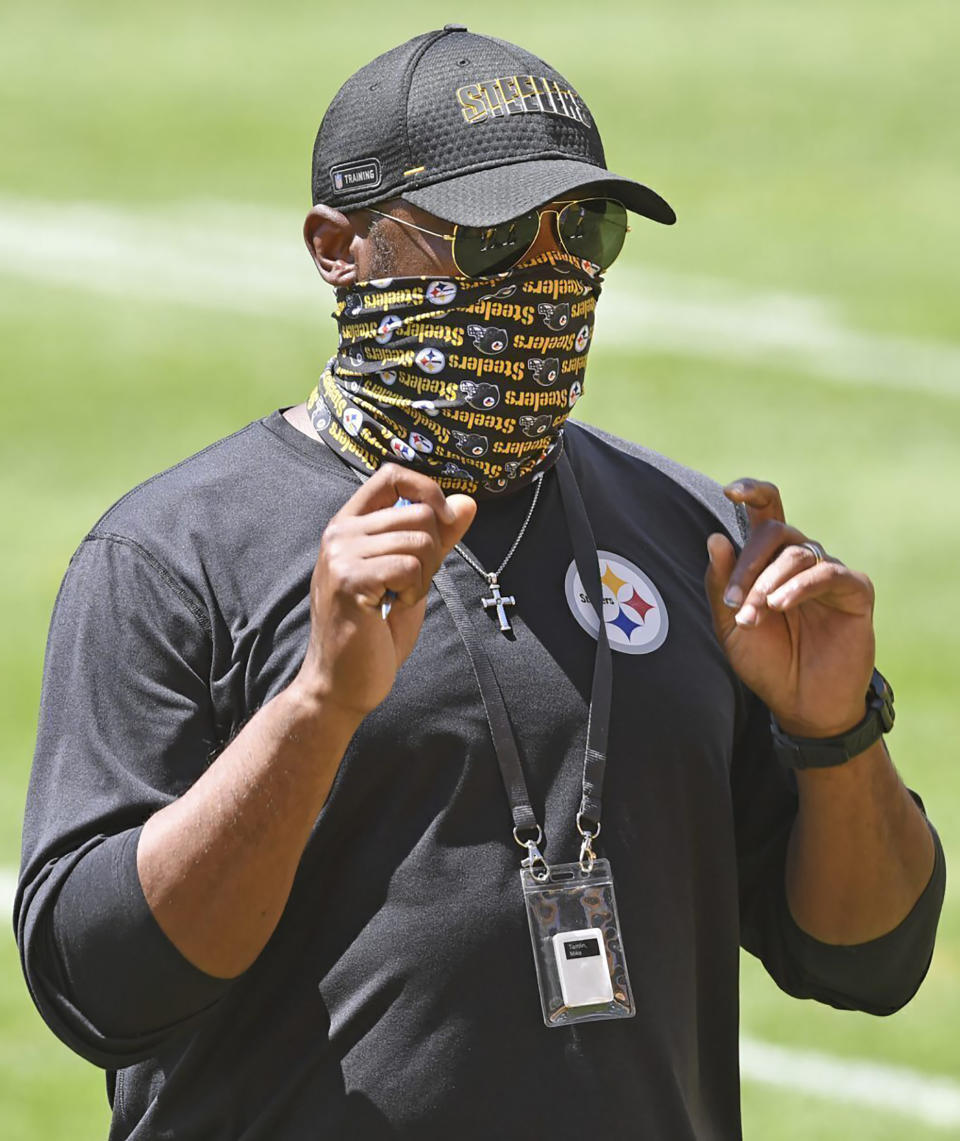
pixel 387 376
pixel 440 292
pixel 633 608
pixel 583 338
pixel 430 360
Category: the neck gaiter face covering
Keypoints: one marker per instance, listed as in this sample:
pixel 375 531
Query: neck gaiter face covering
pixel 466 380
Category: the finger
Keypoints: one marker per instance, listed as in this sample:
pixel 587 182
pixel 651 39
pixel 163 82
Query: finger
pixel 790 562
pixel 403 574
pixel 464 509
pixel 359 536
pixel 391 482
pixel 387 520
pixel 764 544
pixel 414 516
pixel 761 499
pixel 371 538
pixel 829 581
pixel 422 544
pixel 722 555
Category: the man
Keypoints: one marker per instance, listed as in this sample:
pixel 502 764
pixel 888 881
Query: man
pixel 269 877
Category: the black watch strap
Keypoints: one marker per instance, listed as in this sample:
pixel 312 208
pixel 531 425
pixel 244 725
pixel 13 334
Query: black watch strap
pixel 825 752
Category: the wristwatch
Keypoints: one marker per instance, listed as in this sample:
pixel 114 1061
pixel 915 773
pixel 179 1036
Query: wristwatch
pixel 825 752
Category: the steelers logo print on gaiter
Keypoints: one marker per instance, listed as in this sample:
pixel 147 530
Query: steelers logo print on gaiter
pixel 468 381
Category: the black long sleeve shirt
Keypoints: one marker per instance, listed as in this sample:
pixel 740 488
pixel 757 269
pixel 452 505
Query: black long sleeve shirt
pixel 397 997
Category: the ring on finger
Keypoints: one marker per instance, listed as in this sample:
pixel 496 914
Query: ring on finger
pixel 815 549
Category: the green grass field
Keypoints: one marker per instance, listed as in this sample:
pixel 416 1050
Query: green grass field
pixel 811 152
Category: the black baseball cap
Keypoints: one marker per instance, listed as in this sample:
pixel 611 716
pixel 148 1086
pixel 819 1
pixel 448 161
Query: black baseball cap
pixel 470 128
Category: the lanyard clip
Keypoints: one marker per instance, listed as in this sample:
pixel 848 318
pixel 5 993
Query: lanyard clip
pixel 533 861
pixel 587 854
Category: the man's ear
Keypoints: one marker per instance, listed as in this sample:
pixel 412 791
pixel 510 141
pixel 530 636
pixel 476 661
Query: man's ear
pixel 331 239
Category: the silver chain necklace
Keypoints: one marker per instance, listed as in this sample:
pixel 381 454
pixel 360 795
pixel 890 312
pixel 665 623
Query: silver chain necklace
pixel 499 601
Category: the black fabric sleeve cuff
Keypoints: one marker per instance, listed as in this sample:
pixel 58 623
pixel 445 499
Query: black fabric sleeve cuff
pixel 128 986
pixel 879 976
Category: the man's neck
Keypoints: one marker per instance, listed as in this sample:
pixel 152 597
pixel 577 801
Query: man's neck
pixel 299 417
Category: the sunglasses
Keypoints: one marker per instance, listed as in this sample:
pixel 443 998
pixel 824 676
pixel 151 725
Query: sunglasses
pixel 591 229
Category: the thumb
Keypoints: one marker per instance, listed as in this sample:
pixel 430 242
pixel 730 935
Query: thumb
pixel 463 509
pixel 723 557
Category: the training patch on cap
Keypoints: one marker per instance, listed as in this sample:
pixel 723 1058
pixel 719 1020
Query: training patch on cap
pixel 364 173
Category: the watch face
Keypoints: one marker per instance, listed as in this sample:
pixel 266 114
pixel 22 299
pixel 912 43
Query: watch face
pixel 880 697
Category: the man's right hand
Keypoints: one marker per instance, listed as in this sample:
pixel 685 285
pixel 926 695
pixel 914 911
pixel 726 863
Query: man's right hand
pixel 216 865
pixel 369 547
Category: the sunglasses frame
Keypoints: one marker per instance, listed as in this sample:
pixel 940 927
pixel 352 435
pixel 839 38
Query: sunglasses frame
pixel 538 210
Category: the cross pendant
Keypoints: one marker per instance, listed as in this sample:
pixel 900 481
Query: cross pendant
pixel 499 601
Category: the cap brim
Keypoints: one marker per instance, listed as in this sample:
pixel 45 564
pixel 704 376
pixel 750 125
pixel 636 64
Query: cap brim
pixel 488 197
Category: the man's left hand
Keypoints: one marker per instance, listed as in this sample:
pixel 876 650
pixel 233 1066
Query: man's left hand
pixel 797 630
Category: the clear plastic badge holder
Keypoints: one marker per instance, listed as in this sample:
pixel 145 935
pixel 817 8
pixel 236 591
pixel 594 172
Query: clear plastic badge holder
pixel 577 946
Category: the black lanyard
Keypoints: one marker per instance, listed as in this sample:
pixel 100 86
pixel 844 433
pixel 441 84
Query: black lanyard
pixel 526 829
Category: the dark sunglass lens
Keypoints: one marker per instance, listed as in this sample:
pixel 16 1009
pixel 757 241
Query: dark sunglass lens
pixel 479 251
pixel 594 230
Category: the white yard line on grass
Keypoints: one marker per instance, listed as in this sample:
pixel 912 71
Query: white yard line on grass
pixel 234 259
pixel 722 321
pixel 933 1100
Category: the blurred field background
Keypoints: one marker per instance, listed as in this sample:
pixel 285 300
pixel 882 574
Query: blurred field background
pixel 800 323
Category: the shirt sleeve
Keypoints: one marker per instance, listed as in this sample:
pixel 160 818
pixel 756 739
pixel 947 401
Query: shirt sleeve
pixel 125 727
pixel 879 976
